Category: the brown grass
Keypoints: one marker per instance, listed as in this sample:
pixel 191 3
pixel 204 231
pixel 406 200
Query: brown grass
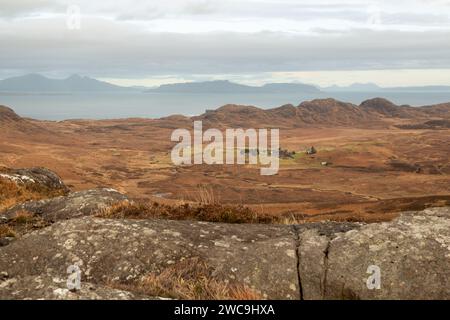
pixel 216 213
pixel 190 279
pixel 228 214
pixel 206 196
pixel 23 217
pixel 12 193
pixel 201 212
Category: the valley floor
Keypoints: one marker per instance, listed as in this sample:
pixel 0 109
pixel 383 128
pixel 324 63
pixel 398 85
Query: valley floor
pixel 371 174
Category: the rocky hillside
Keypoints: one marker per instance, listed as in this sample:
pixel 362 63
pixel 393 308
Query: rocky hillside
pixel 152 258
pixel 8 118
pixel 322 112
pixel 10 121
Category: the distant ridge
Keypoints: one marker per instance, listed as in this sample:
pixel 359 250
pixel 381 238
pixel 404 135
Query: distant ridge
pixel 322 112
pixel 225 86
pixel 36 83
pixel 371 113
pixel 372 87
pixel 75 83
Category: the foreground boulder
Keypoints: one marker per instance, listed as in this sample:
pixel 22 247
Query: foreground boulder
pixel 412 254
pixel 121 251
pixel 37 178
pixel 74 205
pixel 311 261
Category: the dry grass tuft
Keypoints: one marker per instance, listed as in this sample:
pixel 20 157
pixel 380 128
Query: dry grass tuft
pixel 23 217
pixel 190 279
pixel 206 196
pixel 201 212
pixel 224 214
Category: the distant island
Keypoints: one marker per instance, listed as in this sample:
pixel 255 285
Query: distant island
pixel 372 87
pixel 225 86
pixel 36 83
pixel 75 83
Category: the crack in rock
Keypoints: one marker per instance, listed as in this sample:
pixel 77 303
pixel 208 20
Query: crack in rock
pixel 297 255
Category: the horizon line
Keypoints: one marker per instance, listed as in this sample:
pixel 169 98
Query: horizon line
pixel 212 79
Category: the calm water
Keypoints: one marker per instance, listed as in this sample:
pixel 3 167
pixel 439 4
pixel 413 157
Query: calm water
pixel 155 105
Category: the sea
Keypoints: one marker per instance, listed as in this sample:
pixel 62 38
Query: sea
pixel 157 105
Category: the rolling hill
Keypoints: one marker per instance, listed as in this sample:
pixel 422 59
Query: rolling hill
pixel 323 112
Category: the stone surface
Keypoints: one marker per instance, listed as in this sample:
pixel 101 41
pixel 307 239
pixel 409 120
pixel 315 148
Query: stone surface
pixel 313 245
pixel 74 205
pixel 412 252
pixel 312 261
pixel 311 254
pixel 260 256
pixel 53 288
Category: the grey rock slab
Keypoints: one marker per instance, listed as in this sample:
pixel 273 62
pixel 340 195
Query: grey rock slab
pixel 74 205
pixel 263 257
pixel 412 254
pixel 313 245
pixel 330 260
pixel 54 288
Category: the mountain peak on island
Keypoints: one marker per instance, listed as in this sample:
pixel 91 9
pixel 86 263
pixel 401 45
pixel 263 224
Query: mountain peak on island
pixel 36 83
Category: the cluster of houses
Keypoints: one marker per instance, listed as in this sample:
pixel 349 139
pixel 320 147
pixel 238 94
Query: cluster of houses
pixel 284 153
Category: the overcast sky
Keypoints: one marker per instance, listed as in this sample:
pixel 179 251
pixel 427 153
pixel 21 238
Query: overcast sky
pixel 134 42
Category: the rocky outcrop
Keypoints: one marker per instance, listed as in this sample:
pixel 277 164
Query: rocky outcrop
pixel 74 205
pixel 312 261
pixel 387 108
pixel 261 257
pixel 412 254
pixel 36 178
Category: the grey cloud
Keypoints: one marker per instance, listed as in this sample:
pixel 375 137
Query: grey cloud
pixel 440 20
pixel 15 8
pixel 201 7
pixel 112 47
pixel 305 10
pixel 245 10
pixel 126 53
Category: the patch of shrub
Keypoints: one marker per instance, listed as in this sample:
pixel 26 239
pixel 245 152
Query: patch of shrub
pixel 201 212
